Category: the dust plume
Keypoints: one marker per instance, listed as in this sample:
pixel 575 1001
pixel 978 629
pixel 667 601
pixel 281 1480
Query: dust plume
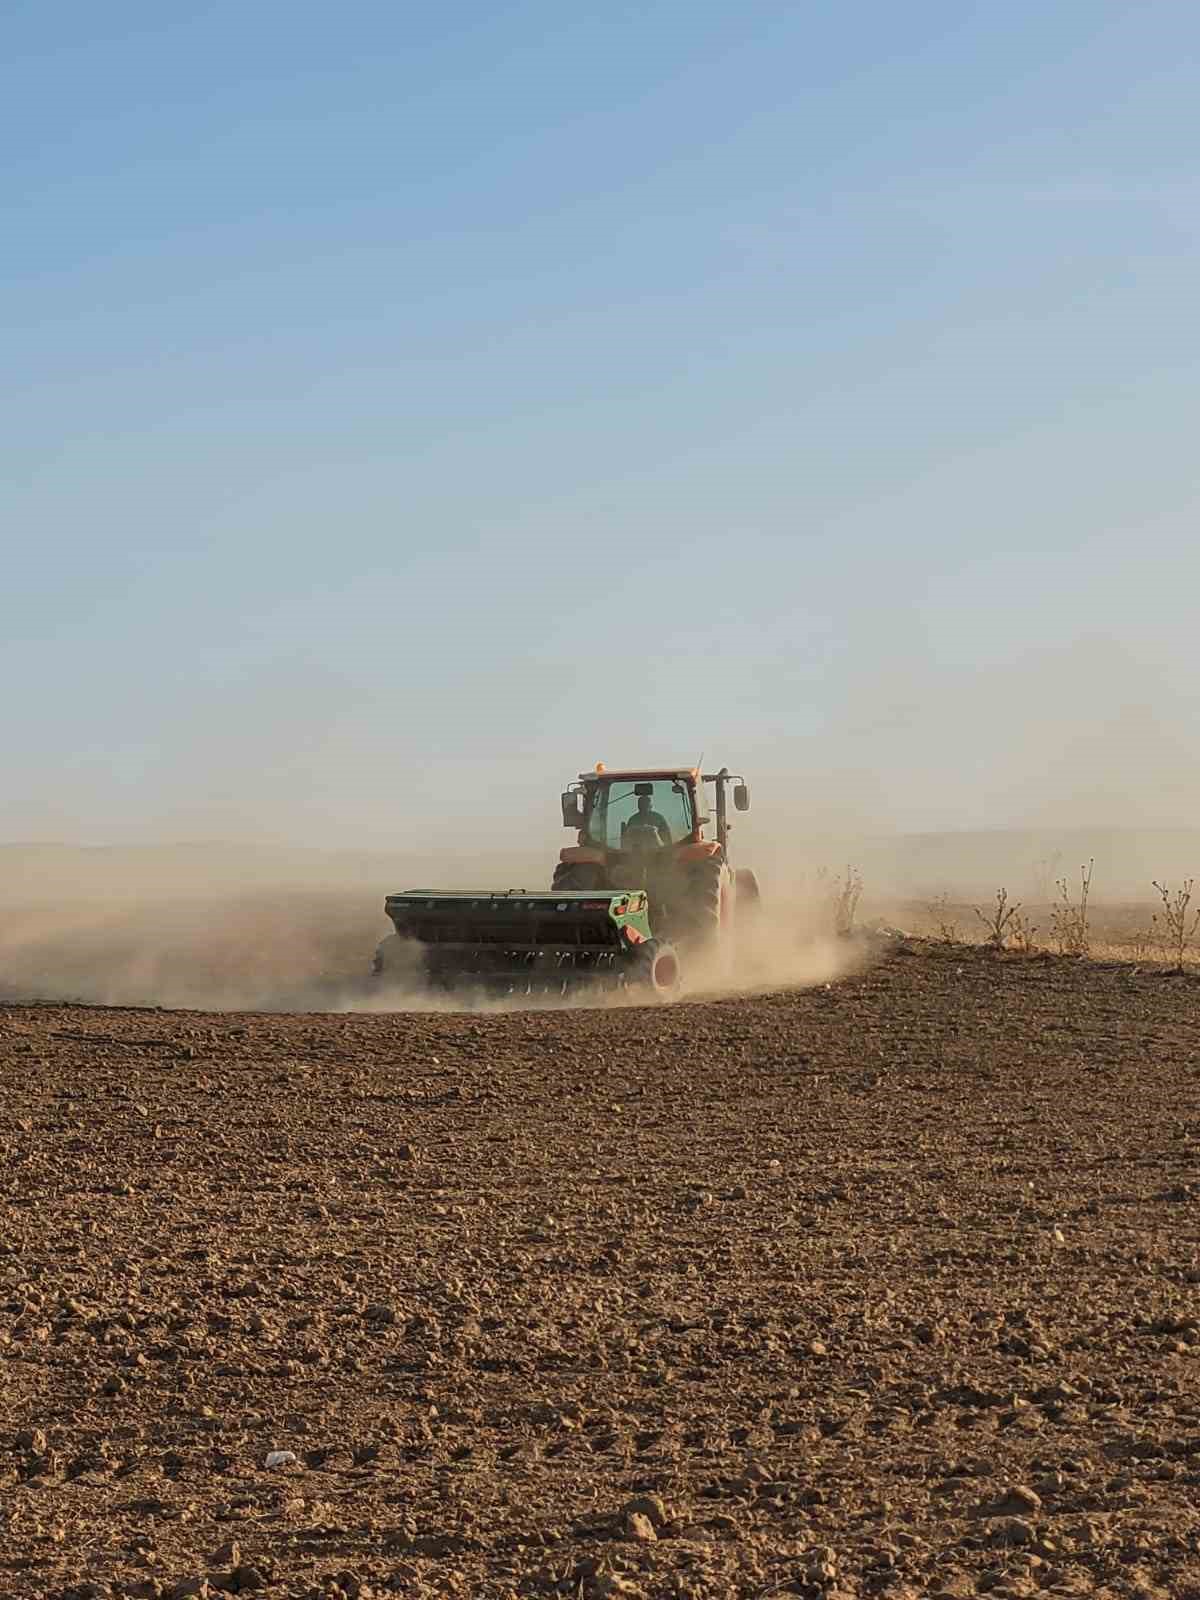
pixel 290 949
pixel 209 929
pixel 930 783
pixel 786 941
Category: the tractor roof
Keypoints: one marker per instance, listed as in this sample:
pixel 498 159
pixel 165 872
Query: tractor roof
pixel 636 774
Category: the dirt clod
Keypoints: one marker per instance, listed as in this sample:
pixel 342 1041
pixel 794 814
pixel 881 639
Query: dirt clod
pixel 650 1506
pixel 638 1526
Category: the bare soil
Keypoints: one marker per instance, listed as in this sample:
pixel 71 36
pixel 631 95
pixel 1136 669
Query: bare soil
pixel 889 1287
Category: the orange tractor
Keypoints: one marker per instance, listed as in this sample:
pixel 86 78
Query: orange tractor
pixel 664 830
pixel 648 879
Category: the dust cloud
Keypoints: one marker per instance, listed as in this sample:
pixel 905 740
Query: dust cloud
pixel 218 929
pixel 928 782
pixel 208 927
pixel 286 949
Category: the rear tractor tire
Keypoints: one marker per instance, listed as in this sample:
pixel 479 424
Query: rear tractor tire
pixel 710 906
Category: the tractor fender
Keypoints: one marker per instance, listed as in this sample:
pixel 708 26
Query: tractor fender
pixel 582 855
pixel 697 852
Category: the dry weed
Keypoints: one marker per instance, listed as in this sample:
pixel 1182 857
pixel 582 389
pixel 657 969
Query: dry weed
pixel 1144 944
pixel 1069 919
pixel 940 912
pixel 1002 923
pixel 1178 924
pixel 840 895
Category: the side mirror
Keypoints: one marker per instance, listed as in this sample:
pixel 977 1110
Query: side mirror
pixel 572 809
pixel 741 797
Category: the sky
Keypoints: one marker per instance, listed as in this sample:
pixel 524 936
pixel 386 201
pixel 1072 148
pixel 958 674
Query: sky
pixel 406 407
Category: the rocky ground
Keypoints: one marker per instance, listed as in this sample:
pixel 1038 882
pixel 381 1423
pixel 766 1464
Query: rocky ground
pixel 888 1288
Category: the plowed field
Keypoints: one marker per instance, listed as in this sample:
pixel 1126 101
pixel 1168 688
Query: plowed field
pixel 884 1288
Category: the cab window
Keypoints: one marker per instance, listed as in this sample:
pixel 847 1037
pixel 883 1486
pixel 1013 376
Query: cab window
pixel 615 805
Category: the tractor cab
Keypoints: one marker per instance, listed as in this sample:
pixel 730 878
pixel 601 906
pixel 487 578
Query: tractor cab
pixel 665 831
pixel 641 812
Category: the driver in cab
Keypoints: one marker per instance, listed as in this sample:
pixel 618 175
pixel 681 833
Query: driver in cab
pixel 645 822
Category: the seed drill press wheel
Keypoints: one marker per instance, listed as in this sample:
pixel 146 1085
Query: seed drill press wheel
pixel 657 969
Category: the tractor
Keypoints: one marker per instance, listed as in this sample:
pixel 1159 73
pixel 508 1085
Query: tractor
pixel 666 831
pixel 647 879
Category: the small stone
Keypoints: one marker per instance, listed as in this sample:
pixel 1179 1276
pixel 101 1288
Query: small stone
pixel 821 1565
pixel 953 1586
pixel 639 1526
pixel 1016 1501
pixel 436 1544
pixel 1013 1531
pixel 651 1506
pixel 1143 1587
pixel 603 1585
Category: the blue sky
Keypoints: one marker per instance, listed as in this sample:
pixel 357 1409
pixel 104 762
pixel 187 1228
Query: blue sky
pixel 406 406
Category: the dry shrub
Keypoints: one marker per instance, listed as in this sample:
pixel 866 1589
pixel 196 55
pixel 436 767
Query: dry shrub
pixel 941 914
pixel 1002 923
pixel 1069 919
pixel 840 895
pixel 1177 925
pixel 1022 933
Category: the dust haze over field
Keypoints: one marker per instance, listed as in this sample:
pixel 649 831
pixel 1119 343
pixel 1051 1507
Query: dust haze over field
pixel 928 784
pixel 214 928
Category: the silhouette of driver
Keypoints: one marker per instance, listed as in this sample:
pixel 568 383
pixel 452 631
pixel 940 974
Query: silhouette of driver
pixel 645 820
